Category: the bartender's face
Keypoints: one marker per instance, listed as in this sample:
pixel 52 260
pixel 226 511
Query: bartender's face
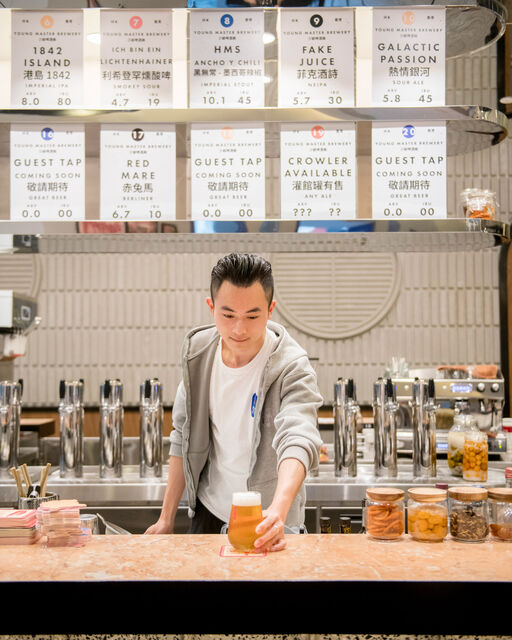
pixel 241 315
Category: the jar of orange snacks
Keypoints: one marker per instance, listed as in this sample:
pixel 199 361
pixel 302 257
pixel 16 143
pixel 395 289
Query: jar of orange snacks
pixel 427 514
pixel 385 518
pixel 476 455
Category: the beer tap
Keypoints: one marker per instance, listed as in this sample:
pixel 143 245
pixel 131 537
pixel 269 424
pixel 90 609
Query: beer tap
pixel 71 420
pixel 385 409
pixel 346 412
pixel 151 421
pixel 11 394
pixel 424 453
pixel 111 429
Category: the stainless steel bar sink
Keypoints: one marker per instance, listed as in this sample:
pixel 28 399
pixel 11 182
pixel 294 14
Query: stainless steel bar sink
pixel 322 490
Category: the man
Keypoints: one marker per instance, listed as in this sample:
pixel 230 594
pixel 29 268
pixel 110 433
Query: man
pixel 245 414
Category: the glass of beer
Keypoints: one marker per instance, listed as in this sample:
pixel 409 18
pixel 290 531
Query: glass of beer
pixel 245 517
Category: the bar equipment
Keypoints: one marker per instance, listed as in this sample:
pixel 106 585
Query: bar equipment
pixel 151 421
pixel 385 411
pixel 71 420
pixel 457 390
pixel 10 413
pixel 424 451
pixel 346 412
pixel 111 428
pixel 17 319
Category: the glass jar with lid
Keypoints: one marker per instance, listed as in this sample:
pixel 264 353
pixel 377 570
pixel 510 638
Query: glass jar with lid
pixel 500 513
pixel 427 514
pixel 478 203
pixel 476 456
pixel 469 519
pixel 507 432
pixel 384 517
pixel 462 423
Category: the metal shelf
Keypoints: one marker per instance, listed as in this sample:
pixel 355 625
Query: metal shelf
pixel 361 235
pixel 469 128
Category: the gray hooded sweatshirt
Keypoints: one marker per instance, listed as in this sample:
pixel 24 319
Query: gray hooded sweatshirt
pixel 285 418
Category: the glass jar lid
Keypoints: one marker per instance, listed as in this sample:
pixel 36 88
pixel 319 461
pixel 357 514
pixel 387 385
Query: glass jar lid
pixel 467 494
pixel 426 494
pixel 503 494
pixel 385 494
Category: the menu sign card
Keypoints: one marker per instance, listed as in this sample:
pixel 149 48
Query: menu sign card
pixel 47 59
pixel 409 170
pixel 138 172
pixel 226 59
pixel 318 171
pixel 136 59
pixel 408 57
pixel 47 172
pixel 228 172
pixel 316 53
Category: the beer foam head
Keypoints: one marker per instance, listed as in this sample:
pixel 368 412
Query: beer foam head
pixel 246 498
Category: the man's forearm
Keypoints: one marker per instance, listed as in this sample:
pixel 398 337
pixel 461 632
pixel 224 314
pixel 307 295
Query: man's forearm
pixel 174 489
pixel 290 476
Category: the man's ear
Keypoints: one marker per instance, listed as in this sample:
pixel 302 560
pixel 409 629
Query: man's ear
pixel 271 308
pixel 209 302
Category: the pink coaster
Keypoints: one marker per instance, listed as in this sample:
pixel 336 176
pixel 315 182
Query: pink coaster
pixel 227 551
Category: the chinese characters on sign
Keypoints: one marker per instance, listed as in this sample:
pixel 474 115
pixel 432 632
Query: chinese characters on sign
pixel 47 59
pixel 408 57
pixel 47 172
pixel 138 172
pixel 316 58
pixel 228 172
pixel 318 171
pixel 226 66
pixel 136 59
pixel 409 170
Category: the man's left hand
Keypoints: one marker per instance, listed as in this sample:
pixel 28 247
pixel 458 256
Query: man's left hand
pixel 271 532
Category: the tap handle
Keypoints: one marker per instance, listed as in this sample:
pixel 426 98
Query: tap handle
pixel 389 389
pixel 350 388
pixel 20 382
pixel 106 389
pixel 431 389
pixel 62 389
pixel 147 389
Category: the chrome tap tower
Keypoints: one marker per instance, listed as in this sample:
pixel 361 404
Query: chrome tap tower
pixel 10 413
pixel 424 446
pixel 346 412
pixel 111 429
pixel 71 421
pixel 385 410
pixel 151 421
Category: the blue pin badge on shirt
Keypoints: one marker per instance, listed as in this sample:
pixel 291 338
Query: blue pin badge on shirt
pixel 253 404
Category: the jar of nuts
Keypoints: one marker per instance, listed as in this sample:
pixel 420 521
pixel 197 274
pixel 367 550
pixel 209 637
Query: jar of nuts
pixel 476 455
pixel 469 519
pixel 427 514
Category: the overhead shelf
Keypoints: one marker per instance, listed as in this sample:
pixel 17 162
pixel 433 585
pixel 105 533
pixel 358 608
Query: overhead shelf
pixel 264 237
pixel 469 128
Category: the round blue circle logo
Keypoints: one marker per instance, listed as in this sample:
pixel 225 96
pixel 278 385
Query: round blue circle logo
pixel 408 131
pixel 226 20
pixel 47 133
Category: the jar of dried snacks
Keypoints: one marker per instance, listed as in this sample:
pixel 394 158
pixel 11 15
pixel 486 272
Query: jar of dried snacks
pixel 469 519
pixel 385 519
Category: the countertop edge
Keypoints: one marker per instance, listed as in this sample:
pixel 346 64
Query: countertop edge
pixel 233 606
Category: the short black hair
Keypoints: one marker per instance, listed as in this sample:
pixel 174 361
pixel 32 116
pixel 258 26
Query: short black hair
pixel 243 270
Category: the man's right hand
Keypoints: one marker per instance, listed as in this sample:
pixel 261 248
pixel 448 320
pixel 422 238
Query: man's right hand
pixel 160 527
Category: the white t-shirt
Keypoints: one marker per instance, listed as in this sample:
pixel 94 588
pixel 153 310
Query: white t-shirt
pixel 233 401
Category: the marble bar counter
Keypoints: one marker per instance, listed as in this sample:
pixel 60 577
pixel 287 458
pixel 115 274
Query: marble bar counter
pixel 318 584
